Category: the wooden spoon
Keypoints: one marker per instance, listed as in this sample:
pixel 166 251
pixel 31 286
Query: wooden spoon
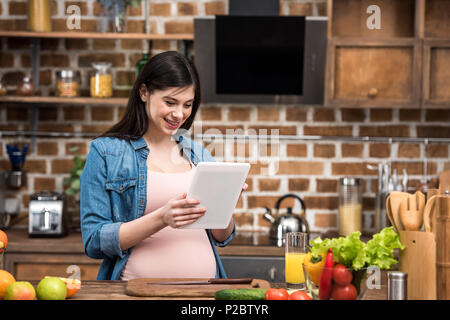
pixel 396 198
pixel 411 211
pixel 429 216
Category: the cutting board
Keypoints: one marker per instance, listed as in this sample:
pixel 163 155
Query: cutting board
pixel 143 287
pixel 418 260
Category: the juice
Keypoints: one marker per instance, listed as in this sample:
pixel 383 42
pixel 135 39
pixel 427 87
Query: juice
pixel 294 268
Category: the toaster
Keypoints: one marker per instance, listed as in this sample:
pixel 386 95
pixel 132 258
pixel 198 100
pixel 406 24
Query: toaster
pixel 47 215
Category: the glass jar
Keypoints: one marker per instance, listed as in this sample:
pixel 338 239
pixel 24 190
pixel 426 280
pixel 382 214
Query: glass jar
pixel 25 87
pixel 68 83
pixel 101 80
pixel 39 15
pixel 350 205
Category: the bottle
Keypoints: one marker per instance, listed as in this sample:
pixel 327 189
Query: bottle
pixel 350 205
pixel 39 15
pixel 101 80
pixel 26 87
pixel 141 63
pixel 67 83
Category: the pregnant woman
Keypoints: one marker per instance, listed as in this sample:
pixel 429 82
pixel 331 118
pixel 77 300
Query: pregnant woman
pixel 134 184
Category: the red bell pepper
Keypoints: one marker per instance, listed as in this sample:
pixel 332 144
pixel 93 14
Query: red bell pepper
pixel 325 279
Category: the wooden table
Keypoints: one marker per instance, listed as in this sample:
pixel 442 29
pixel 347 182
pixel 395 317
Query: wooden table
pixel 115 290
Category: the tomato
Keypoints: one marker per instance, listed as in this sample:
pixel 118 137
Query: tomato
pixel 299 295
pixel 277 294
pixel 347 292
pixel 341 275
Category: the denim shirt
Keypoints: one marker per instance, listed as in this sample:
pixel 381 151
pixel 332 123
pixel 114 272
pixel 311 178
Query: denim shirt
pixel 114 191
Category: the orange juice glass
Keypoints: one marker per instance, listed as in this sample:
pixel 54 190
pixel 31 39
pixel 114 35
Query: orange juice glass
pixel 295 252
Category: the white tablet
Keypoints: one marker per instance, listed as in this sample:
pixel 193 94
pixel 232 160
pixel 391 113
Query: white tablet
pixel 217 185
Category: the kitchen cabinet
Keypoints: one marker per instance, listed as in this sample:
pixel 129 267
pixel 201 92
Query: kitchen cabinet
pixel 34 258
pixel 402 64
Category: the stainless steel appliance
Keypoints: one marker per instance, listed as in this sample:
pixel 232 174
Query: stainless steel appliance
pixel 47 215
pixel 289 222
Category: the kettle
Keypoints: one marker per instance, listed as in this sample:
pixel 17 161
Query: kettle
pixel 288 222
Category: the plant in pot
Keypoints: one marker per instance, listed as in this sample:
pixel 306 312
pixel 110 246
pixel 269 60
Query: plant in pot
pixel 115 10
pixel 73 181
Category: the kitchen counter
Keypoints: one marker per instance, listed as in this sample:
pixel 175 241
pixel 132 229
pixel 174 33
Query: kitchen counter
pixel 115 290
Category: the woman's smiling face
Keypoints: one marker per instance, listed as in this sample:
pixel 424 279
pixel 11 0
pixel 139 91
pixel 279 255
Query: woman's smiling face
pixel 168 109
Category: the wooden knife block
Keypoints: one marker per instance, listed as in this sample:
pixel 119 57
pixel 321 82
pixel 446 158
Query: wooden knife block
pixel 418 260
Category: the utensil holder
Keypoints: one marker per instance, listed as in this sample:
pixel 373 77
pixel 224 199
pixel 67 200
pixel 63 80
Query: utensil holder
pixel 418 260
pixel 16 179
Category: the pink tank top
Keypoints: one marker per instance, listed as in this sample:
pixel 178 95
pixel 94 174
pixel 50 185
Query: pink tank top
pixel 170 253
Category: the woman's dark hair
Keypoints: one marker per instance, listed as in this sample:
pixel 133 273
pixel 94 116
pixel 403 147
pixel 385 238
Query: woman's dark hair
pixel 167 69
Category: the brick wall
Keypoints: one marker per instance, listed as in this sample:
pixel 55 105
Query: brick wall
pixel 307 168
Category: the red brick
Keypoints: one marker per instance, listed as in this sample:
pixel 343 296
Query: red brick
pixel 16 113
pixel 179 27
pixel 61 166
pixel 6 59
pixel 326 185
pixel 103 44
pixel 352 168
pixel 324 151
pixel 327 203
pixel 267 114
pixel 42 184
pixel 125 78
pixel 82 149
pixel 48 114
pixel 269 184
pixel 95 128
pixel 187 9
pixel 324 115
pixel 433 131
pixel 415 168
pixel 343 131
pixel 325 220
pixel 379 150
pixel 384 131
pixel 134 44
pixel 73 113
pixel 352 150
pixel 213 129
pixel 410 114
pixel 300 9
pixel 239 114
pixel 437 115
pixel 102 113
pixel 211 113
pixel 407 150
pixel 116 59
pixel 267 130
pixel 296 150
pixel 298 184
pixel 268 201
pixel 437 151
pixel 380 115
pixel 135 26
pixel 353 115
pixel 76 44
pixel 160 9
pixel 80 4
pixel 296 114
pixel 215 8
pixel 35 166
pixel 17 8
pixel 47 148
pixel 297 167
pixel 243 219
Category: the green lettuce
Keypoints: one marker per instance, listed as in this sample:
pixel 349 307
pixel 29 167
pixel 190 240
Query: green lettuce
pixel 353 253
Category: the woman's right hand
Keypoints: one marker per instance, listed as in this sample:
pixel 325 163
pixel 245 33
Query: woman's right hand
pixel 181 211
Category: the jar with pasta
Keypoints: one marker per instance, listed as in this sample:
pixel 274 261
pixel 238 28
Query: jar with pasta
pixel 101 80
pixel 68 83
